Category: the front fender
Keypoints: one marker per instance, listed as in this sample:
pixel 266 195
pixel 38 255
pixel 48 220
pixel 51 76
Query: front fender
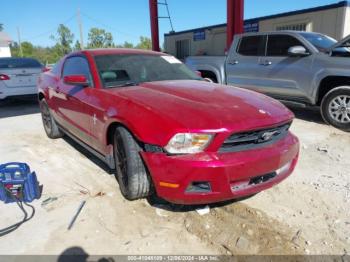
pixel 146 126
pixel 322 74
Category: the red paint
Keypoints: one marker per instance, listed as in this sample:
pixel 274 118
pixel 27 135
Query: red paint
pixel 235 24
pixel 45 69
pixel 75 79
pixel 4 77
pixel 155 111
pixel 153 9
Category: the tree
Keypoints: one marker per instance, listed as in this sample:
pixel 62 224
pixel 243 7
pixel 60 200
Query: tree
pixel 99 38
pixel 145 43
pixel 43 54
pixel 1 27
pixel 14 49
pixel 27 49
pixel 77 46
pixel 64 39
pixel 128 45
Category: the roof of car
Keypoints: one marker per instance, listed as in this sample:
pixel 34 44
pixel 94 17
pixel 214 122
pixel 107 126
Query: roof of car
pixel 282 32
pixel 111 51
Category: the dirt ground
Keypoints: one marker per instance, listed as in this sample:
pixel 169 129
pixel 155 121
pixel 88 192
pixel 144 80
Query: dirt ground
pixel 309 213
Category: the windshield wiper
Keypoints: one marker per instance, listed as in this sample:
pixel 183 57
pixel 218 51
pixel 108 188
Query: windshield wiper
pixel 130 83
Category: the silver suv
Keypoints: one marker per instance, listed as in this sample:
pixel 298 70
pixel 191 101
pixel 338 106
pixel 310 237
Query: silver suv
pixel 302 68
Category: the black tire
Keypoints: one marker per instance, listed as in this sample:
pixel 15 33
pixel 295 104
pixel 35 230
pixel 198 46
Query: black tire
pixel 335 108
pixel 131 172
pixel 50 126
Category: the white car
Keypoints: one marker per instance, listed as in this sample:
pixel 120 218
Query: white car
pixel 19 76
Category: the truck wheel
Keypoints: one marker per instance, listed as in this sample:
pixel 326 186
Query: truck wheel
pixel 131 173
pixel 50 126
pixel 335 108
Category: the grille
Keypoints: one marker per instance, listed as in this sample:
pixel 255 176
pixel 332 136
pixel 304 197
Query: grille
pixel 254 139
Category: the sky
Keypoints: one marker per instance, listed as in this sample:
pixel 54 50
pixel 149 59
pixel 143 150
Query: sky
pixel 127 20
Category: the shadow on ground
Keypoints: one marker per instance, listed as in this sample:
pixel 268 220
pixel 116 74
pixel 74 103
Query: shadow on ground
pixel 78 254
pixel 311 114
pixel 87 154
pixel 18 107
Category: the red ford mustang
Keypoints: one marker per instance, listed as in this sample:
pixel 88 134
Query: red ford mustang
pixel 164 129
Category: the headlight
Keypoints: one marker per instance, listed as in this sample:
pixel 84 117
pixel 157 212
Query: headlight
pixel 188 143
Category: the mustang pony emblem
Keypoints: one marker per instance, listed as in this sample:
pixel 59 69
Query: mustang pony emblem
pixel 268 135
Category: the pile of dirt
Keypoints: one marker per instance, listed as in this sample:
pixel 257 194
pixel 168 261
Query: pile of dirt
pixel 238 229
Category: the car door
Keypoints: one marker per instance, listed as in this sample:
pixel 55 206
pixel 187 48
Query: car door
pixel 71 100
pixel 242 66
pixel 284 76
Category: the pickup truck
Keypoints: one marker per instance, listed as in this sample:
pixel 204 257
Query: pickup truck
pixel 166 131
pixel 302 68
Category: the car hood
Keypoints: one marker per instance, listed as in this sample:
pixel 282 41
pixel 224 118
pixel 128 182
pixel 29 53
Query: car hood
pixel 199 105
pixel 340 43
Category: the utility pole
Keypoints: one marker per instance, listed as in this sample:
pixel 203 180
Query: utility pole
pixel 153 10
pixel 19 42
pixel 235 13
pixel 80 24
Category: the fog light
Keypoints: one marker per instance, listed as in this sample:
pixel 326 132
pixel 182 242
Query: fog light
pixel 199 187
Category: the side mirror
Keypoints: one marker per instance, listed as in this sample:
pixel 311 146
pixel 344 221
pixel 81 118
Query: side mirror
pixel 76 80
pixel 295 51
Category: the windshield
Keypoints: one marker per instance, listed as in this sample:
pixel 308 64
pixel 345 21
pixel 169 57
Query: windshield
pixel 124 70
pixel 321 42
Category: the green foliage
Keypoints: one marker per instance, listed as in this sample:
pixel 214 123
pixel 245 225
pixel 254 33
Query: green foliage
pixel 145 43
pixel 27 49
pixel 76 46
pixel 64 39
pixel 99 38
pixel 126 45
pixel 46 55
pixel 1 27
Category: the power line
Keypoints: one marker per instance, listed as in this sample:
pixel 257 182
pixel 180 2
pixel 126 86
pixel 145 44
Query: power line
pixel 108 26
pixel 46 33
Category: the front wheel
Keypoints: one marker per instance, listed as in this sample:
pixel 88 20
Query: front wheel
pixel 131 173
pixel 335 108
pixel 50 126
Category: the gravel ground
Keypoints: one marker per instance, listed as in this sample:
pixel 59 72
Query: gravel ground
pixel 309 213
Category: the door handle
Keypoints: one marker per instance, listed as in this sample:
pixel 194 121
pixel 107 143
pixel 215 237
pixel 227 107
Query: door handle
pixel 265 63
pixel 234 62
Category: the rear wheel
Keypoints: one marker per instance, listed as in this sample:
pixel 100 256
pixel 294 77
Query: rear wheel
pixel 50 126
pixel 335 108
pixel 131 173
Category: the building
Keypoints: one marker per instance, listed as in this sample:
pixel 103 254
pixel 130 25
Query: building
pixel 332 20
pixel 5 41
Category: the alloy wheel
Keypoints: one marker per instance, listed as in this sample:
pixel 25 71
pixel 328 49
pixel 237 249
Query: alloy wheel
pixel 46 117
pixel 339 109
pixel 121 160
